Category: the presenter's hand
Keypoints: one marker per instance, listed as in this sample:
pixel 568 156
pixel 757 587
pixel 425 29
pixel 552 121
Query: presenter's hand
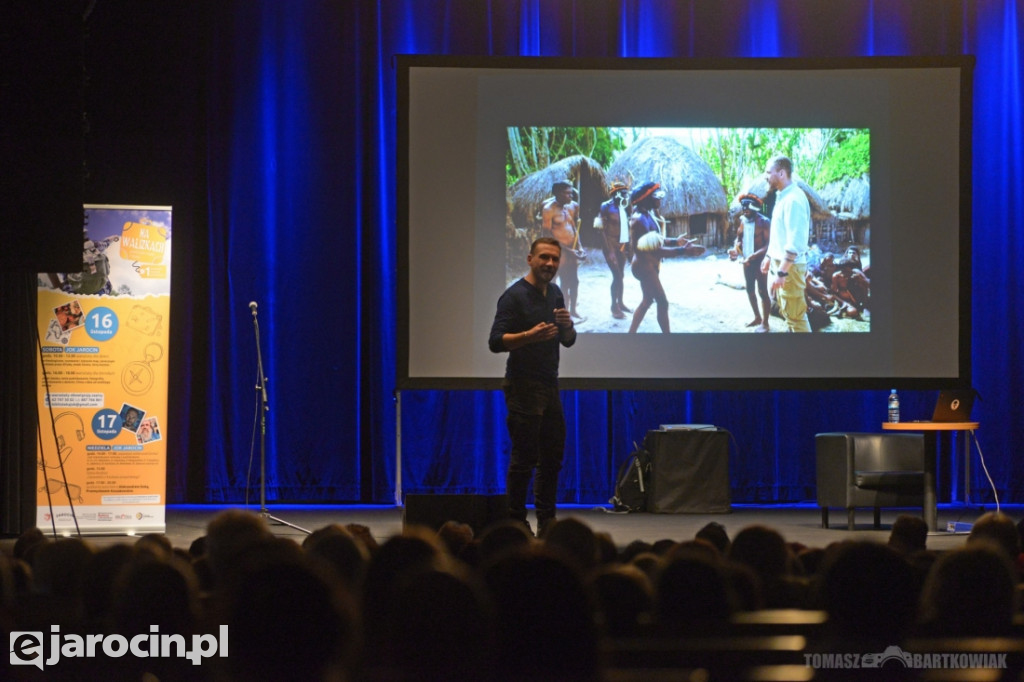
pixel 764 265
pixel 562 318
pixel 544 331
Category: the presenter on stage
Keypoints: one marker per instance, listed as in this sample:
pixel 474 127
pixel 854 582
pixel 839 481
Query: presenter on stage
pixel 530 323
pixel 786 260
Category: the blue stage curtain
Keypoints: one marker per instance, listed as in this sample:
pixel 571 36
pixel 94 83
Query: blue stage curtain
pixel 287 231
pixel 993 32
pixel 302 220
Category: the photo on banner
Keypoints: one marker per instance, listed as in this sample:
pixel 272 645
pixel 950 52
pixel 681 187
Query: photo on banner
pixel 102 377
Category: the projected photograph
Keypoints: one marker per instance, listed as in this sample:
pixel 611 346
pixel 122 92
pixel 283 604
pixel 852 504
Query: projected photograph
pixel 664 230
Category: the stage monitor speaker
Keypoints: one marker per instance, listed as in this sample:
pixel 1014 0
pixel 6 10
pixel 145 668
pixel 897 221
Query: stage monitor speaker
pixel 432 511
pixel 689 471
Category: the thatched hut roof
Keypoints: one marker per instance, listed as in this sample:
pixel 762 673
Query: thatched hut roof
pixel 529 192
pixel 851 198
pixel 691 187
pixel 759 187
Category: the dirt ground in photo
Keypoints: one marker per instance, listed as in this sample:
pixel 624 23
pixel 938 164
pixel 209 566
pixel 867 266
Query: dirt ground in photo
pixel 706 295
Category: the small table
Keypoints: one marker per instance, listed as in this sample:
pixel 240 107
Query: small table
pixel 931 457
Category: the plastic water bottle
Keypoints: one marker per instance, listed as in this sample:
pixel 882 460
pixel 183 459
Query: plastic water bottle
pixel 894 407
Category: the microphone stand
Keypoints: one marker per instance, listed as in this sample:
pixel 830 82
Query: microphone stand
pixel 263 406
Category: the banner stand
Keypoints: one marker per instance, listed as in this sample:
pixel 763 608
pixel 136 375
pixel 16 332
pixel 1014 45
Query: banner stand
pixel 102 372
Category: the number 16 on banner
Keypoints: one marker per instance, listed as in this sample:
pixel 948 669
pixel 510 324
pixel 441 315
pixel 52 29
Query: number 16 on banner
pixel 101 323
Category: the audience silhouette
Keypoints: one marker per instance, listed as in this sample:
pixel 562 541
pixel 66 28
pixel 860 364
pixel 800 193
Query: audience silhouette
pixel 971 591
pixel 433 606
pixel 766 553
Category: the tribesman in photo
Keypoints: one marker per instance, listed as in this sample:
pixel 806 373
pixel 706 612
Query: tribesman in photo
pixel 646 228
pixel 614 217
pixel 752 244
pixel 559 217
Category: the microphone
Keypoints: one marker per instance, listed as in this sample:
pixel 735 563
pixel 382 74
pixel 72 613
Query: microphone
pixel 252 307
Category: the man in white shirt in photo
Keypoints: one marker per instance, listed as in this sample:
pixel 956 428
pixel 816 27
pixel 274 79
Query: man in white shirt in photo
pixel 786 260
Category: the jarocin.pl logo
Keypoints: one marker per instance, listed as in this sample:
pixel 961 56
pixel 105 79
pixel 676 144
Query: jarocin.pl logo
pixel 27 647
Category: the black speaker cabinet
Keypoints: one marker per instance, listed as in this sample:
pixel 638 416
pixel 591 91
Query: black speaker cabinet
pixel 479 511
pixel 689 471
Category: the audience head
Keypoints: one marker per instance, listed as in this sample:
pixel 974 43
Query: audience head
pixel 546 624
pixel 415 549
pixel 763 549
pixel 198 547
pixel 228 535
pixel 27 542
pixel 633 549
pixel 446 630
pixel 363 534
pixel 625 598
pixel 456 536
pixel 57 567
pixel 341 551
pixel 157 545
pixel 99 577
pixel 648 562
pixel 155 592
pixel 414 552
pixel 997 528
pixel 810 560
pixel 714 533
pixel 692 595
pixel 502 537
pixel 663 546
pixel 745 586
pixel 575 541
pixel 607 552
pixel 869 592
pixel 289 621
pixel 909 534
pixel 696 546
pixel 971 591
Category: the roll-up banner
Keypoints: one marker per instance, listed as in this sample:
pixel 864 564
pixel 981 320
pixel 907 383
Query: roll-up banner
pixel 102 372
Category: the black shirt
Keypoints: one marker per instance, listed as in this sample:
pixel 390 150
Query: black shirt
pixel 521 308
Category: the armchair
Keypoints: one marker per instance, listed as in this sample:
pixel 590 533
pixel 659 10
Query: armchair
pixel 869 470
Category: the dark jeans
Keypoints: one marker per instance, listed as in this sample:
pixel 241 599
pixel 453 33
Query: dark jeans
pixel 537 428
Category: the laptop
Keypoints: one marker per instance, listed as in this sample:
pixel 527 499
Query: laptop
pixel 688 427
pixel 954 405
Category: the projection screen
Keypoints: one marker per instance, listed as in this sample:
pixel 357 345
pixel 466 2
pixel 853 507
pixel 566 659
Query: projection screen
pixel 880 147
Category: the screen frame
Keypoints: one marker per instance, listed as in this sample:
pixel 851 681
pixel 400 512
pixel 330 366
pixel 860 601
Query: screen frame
pixel 965 63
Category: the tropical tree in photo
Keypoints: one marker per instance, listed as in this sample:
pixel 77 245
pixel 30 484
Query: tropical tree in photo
pixel 819 155
pixel 533 148
pixel 849 156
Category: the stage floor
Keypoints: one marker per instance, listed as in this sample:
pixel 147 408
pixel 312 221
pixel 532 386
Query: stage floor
pixel 797 523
